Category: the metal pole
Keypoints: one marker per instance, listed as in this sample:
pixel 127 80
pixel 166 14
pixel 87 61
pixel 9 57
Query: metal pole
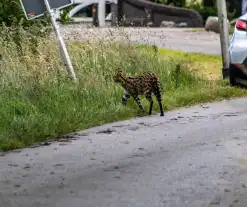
pixel 62 45
pixel 95 16
pixel 224 36
pixel 114 14
pixel 101 13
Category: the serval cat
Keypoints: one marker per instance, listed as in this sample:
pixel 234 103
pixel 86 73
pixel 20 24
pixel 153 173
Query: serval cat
pixel 145 84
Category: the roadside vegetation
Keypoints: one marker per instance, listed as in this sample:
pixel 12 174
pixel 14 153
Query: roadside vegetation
pixel 38 101
pixel 230 31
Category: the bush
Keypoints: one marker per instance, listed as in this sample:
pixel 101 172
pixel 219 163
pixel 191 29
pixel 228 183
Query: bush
pixel 12 20
pixel 10 11
pixel 12 14
pixel 14 25
pixel 205 12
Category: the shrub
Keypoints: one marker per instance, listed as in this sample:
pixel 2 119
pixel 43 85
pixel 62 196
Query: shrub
pixel 12 14
pixel 14 25
pixel 205 12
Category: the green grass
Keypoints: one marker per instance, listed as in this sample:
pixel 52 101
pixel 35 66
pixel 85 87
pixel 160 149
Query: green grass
pixel 231 30
pixel 208 66
pixel 38 101
pixel 70 22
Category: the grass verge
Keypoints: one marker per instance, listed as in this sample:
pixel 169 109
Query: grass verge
pixel 230 32
pixel 38 101
pixel 207 66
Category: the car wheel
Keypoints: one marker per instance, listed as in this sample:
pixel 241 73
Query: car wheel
pixel 232 78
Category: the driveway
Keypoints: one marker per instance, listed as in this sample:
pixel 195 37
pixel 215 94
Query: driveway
pixel 191 157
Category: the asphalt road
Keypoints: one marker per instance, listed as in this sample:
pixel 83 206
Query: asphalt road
pixel 191 157
pixel 171 38
pixel 178 39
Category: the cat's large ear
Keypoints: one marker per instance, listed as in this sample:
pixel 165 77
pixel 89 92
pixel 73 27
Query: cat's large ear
pixel 119 71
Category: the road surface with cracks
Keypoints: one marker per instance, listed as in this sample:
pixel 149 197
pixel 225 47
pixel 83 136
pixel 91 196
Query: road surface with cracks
pixel 190 157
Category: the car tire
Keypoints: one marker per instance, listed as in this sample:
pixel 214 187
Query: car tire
pixel 232 78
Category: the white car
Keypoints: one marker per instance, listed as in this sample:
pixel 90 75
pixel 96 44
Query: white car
pixel 238 53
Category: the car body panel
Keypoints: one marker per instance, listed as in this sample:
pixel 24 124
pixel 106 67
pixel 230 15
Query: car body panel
pixel 238 54
pixel 238 44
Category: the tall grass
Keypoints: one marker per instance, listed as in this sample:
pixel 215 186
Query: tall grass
pixel 38 100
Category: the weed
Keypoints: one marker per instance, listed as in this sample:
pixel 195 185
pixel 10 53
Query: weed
pixel 38 101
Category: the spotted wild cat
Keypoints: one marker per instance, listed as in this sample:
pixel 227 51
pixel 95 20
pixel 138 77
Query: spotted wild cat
pixel 145 84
